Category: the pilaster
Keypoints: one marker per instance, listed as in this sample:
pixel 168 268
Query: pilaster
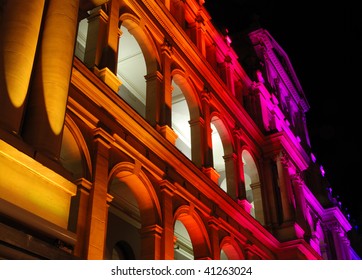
pixel 98 206
pixel 79 206
pixel 167 241
pixel 151 242
pixel 214 239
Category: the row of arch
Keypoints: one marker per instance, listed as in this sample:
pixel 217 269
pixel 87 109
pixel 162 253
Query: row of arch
pixel 135 205
pixel 194 115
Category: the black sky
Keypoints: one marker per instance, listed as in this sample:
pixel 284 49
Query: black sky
pixel 323 45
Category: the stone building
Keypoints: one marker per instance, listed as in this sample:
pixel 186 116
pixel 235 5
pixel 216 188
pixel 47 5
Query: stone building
pixel 129 129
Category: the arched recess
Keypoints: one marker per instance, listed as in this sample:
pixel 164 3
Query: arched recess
pixel 134 206
pixel 223 156
pixel 123 251
pixel 230 249
pixel 185 108
pixel 252 185
pixel 74 153
pixel 137 59
pixel 190 234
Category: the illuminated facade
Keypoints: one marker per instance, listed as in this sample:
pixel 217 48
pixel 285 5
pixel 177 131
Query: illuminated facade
pixel 130 130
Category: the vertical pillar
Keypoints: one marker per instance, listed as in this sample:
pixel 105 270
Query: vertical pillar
pixel 229 78
pixel 347 247
pixel 166 93
pixel 241 192
pixel 104 54
pixel 96 37
pixel 197 142
pixel 211 55
pixel 98 207
pixel 274 212
pixel 337 241
pixel 231 174
pixel 167 192
pixel 159 98
pixel 49 92
pixel 301 205
pixel 214 239
pixel 288 199
pixel 226 74
pixel 110 52
pixel 258 202
pixel 208 161
pixel 20 21
pixel 151 242
pixel 305 129
pixel 289 229
pixel 153 101
pixel 207 137
pixel 81 206
pixel 200 34
pixel 239 91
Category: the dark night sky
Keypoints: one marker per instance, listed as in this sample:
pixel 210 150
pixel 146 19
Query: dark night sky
pixel 322 43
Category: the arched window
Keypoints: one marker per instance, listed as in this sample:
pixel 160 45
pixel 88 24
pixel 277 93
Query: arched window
pixel 122 251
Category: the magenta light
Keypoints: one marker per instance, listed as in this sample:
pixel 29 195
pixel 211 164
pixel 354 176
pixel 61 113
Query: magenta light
pixel 314 159
pixel 322 170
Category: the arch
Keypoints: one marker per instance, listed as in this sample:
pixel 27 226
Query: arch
pixel 195 229
pixel 184 82
pixel 252 184
pixel 223 157
pixel 74 154
pixel 137 59
pixel 122 250
pixel 231 249
pixel 218 121
pixel 185 108
pixel 144 39
pixel 141 188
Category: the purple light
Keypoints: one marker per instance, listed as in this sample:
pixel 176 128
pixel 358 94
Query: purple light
pixel 314 159
pixel 322 170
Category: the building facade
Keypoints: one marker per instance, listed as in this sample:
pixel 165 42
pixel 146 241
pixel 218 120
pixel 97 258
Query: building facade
pixel 129 129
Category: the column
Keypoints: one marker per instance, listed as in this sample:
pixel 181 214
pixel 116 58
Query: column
pixel 45 114
pixel 289 229
pixel 167 193
pixel 214 239
pixel 239 91
pixel 207 149
pixel 79 206
pixel 287 196
pixel 241 192
pixel 106 70
pixel 301 205
pixel 337 240
pixel 258 202
pixel 166 93
pixel 20 21
pixel 207 137
pixel 151 242
pixel 153 97
pixel 96 34
pixel 159 96
pixel 200 34
pixel 231 174
pixel 197 142
pixel 98 206
pixel 227 75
